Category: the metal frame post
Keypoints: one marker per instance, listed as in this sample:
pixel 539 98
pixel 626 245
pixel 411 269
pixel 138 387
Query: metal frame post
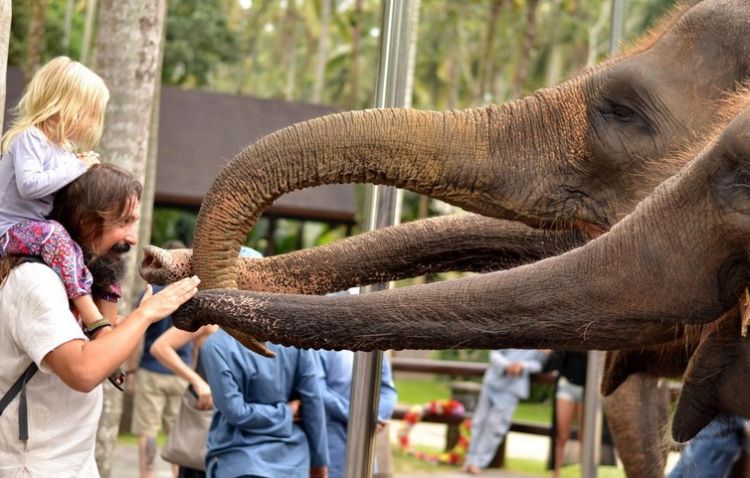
pixel 592 414
pixel 391 91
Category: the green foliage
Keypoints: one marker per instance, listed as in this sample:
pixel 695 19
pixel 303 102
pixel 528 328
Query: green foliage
pixel 172 223
pixel 464 355
pixel 197 41
pixel 53 32
pixel 221 46
pixel 420 391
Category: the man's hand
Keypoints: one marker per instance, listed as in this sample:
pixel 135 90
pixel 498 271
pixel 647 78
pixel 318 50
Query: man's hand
pixel 319 472
pixel 157 306
pixel 203 390
pixel 515 369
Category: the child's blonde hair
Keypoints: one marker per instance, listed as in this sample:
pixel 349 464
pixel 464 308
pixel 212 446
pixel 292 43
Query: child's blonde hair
pixel 61 95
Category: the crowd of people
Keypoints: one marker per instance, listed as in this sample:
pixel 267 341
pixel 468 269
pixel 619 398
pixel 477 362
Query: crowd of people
pixel 66 221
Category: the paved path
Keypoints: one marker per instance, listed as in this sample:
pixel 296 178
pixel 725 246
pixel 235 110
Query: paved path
pixel 426 434
pixel 520 445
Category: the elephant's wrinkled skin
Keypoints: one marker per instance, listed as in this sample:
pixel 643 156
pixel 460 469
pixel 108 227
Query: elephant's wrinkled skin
pixel 650 102
pixel 680 258
pixel 578 155
pixel 428 246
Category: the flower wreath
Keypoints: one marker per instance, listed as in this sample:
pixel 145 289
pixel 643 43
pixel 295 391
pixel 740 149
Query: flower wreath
pixel 444 408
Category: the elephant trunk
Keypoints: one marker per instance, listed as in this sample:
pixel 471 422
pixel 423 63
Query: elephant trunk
pixel 465 242
pixel 608 294
pixel 484 160
pixel 462 242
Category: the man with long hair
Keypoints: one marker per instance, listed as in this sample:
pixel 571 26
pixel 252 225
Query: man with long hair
pixel 49 428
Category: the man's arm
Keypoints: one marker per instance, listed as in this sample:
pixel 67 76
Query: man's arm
pixel 164 349
pixel 83 365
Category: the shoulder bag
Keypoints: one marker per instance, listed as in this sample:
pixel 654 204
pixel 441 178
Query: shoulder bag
pixel 186 443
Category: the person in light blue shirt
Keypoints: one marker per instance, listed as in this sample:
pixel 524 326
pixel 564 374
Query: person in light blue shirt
pixel 336 384
pixel 269 420
pixel 713 451
pixel 505 382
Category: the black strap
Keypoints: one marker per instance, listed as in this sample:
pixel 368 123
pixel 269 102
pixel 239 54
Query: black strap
pixel 20 387
pixel 23 412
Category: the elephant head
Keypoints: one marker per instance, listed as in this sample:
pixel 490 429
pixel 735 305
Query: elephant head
pixel 579 155
pixel 681 257
pixel 690 234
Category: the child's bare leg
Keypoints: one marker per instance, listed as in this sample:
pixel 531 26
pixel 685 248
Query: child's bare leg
pixel 108 310
pixel 87 309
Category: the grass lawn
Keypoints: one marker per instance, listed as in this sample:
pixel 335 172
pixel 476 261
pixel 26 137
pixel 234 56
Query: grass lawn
pixel 418 392
pixel 405 463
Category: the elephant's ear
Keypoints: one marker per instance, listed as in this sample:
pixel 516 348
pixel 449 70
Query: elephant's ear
pixel 716 360
pixel 664 360
pixel 618 366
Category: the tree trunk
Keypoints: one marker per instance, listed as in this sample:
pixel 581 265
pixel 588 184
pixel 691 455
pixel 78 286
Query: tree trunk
pixel 412 57
pixel 127 57
pixel 289 60
pixel 68 24
pixel 88 31
pixel 354 67
pixel 253 30
pixel 486 69
pixel 35 38
pixel 528 43
pixel 322 55
pixel 6 12
pixel 595 30
pixel 149 184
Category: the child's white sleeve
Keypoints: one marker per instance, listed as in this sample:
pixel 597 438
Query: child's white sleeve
pixel 40 169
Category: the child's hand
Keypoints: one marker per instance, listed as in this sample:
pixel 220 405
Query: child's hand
pixel 89 158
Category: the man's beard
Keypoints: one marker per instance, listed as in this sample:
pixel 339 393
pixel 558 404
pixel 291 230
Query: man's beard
pixel 107 270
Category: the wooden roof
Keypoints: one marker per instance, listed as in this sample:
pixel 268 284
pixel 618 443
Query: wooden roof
pixel 200 131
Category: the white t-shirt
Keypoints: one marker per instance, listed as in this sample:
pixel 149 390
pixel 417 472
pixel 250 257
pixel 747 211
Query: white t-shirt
pixel 34 320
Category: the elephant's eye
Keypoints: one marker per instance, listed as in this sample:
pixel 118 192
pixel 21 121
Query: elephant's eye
pixel 619 112
pixel 623 113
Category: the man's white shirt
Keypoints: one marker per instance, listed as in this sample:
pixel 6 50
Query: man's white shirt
pixel 34 320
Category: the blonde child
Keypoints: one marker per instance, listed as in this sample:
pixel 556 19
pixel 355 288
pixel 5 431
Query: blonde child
pixel 60 115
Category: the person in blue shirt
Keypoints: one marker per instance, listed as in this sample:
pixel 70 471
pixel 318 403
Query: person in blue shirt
pixel 269 420
pixel 713 451
pixel 505 382
pixel 156 390
pixel 336 384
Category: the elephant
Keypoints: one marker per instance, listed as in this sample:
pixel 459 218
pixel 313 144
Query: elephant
pixel 575 157
pixel 681 257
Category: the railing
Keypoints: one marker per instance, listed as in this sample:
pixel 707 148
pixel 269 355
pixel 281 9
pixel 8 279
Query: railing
pixel 467 369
